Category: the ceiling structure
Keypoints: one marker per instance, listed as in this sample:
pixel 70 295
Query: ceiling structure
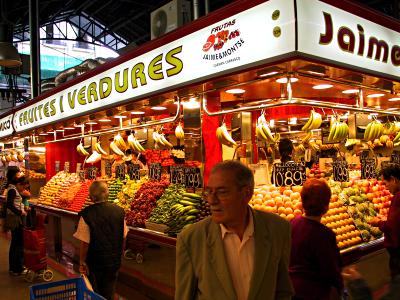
pixel 109 22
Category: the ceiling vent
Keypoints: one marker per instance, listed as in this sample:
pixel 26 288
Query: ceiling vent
pixel 169 17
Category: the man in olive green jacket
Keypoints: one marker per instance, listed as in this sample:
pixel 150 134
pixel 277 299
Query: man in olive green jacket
pixel 207 266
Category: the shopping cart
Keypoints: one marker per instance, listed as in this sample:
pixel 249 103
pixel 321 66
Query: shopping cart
pixel 35 255
pixel 69 289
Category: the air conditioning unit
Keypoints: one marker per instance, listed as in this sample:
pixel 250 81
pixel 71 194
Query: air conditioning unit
pixel 169 17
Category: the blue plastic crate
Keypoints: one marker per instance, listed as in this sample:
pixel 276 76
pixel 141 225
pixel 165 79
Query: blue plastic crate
pixel 69 289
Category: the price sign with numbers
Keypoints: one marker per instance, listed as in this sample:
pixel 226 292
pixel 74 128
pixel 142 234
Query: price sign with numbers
pixel 289 173
pixel 155 171
pixel 193 178
pixel 340 170
pixel 108 168
pixel 134 171
pixel 67 166
pixel 92 173
pixel 81 175
pixel 120 171
pixel 395 157
pixel 368 168
pixel 177 175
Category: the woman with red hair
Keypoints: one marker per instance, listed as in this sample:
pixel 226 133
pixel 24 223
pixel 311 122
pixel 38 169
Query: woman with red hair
pixel 315 262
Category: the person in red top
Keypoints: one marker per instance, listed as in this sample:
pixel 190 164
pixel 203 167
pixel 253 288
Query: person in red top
pixel 391 226
pixel 315 262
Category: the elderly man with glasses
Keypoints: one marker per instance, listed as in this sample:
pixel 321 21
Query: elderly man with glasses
pixel 237 253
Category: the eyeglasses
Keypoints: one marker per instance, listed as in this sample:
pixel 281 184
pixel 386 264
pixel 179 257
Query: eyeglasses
pixel 218 193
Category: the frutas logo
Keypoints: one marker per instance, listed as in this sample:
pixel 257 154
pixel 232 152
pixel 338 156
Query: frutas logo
pixel 216 46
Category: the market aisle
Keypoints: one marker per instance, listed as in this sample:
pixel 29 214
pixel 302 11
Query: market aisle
pixel 14 287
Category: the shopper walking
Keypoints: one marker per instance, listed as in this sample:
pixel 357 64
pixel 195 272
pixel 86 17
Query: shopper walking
pixel 102 232
pixel 315 262
pixel 391 226
pixel 14 213
pixel 237 253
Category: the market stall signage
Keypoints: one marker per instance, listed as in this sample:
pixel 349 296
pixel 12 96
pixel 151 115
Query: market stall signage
pixel 289 173
pixel 57 166
pixel 134 171
pixel 193 177
pixel 6 127
pixel 177 175
pixel 108 168
pixel 368 168
pixel 91 173
pixel 340 170
pixel 235 43
pixel 395 157
pixel 330 33
pixel 120 171
pixel 155 171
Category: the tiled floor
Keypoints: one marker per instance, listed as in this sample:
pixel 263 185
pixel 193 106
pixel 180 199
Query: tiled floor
pixel 15 287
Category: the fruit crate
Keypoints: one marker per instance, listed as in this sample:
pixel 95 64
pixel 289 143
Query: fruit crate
pixel 156 227
pixel 74 288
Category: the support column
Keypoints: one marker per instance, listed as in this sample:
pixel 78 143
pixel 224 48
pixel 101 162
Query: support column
pixel 35 47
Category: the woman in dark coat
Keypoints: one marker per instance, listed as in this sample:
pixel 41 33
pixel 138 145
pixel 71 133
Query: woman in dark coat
pixel 315 262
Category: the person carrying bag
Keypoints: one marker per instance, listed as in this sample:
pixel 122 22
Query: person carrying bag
pixel 13 222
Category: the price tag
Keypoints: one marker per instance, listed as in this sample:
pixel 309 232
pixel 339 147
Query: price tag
pixel 78 167
pixel 368 168
pixel 134 171
pixel 340 170
pixel 193 178
pixel 120 171
pixel 92 173
pixel 364 155
pixel 81 175
pixel 177 175
pixel 395 157
pixel 108 168
pixel 155 171
pixel 290 173
pixel 67 166
pixel 57 166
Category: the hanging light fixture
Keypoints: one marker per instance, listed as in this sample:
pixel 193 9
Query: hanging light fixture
pixel 9 56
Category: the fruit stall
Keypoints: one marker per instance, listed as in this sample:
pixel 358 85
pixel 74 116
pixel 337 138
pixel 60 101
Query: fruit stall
pixel 151 128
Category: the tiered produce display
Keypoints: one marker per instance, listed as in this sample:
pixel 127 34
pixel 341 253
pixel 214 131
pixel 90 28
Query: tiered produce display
pixel 351 208
pixel 145 201
pixel 51 189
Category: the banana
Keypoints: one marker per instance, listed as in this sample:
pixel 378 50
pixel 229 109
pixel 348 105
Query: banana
pixel 277 137
pixel 115 149
pixel 397 138
pixel 307 138
pixel 267 132
pixel 94 157
pixel 317 121
pixel 179 133
pixel 81 150
pixel 165 142
pixel 224 137
pixel 306 126
pixel 332 131
pixel 99 149
pixel 118 139
pixel 260 133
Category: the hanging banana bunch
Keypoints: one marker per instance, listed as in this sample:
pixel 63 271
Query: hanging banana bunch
pixel 114 148
pixel 161 141
pixel 119 141
pixel 264 133
pixel 374 131
pixel 338 130
pixel 179 133
pixel 224 137
pixel 134 144
pixel 81 150
pixel 391 128
pixel 99 149
pixel 314 121
pixel 94 157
